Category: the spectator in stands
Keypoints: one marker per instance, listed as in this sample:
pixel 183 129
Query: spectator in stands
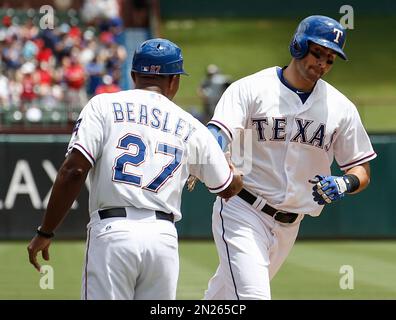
pixel 44 74
pixel 116 28
pixel 15 88
pixel 7 21
pixel 29 82
pixel 12 53
pixel 115 57
pixel 74 75
pixel 88 52
pixel 49 38
pixel 29 30
pixel 95 70
pixel 4 90
pixel 45 83
pixel 29 50
pixel 108 86
pixel 65 44
pixel 51 97
pixel 12 31
pixel 44 53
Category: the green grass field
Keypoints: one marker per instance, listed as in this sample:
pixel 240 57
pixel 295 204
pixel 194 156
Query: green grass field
pixel 242 47
pixel 312 270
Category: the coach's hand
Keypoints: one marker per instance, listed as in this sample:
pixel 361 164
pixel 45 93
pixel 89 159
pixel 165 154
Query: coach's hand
pixel 327 189
pixel 191 182
pixel 38 244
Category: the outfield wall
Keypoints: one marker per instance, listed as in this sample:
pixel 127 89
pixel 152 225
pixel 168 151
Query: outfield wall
pixel 29 165
pixel 28 168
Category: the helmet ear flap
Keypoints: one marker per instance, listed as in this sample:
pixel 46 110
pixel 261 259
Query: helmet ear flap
pixel 321 30
pixel 298 47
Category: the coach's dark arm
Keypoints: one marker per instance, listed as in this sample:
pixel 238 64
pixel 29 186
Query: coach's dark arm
pixel 235 186
pixel 69 181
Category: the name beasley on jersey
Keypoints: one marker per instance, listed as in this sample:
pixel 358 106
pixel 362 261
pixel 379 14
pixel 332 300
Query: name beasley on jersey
pixel 279 128
pixel 153 117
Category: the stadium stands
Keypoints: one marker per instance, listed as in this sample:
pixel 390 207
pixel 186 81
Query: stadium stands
pixel 48 74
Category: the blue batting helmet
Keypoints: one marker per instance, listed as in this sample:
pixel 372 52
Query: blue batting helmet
pixel 158 56
pixel 321 30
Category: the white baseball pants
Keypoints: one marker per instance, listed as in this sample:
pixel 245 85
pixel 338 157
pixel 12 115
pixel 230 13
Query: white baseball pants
pixel 131 258
pixel 251 246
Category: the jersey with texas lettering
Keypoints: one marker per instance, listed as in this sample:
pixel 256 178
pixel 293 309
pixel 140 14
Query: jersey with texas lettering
pixel 142 148
pixel 291 141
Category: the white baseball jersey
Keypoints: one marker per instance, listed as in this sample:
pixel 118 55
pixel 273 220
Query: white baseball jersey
pixel 142 148
pixel 292 141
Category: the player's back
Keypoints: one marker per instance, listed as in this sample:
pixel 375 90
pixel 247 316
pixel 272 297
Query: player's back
pixel 140 142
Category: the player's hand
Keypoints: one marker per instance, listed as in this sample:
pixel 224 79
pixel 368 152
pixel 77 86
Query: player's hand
pixel 36 245
pixel 327 189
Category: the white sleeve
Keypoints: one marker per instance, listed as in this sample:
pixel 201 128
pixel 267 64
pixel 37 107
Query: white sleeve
pixel 352 145
pixel 208 163
pixel 88 131
pixel 232 110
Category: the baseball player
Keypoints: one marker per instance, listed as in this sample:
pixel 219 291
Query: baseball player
pixel 139 149
pixel 299 124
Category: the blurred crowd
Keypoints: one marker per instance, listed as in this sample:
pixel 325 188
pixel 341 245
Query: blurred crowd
pixel 55 71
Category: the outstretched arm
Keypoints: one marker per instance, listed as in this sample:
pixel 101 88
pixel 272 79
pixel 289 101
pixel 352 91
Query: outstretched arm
pixel 69 181
pixel 235 186
pixel 223 142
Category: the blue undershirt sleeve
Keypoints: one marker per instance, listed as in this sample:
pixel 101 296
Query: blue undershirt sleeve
pixel 219 135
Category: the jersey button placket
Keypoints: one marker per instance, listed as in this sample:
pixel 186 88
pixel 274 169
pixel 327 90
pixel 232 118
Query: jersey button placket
pixel 290 161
